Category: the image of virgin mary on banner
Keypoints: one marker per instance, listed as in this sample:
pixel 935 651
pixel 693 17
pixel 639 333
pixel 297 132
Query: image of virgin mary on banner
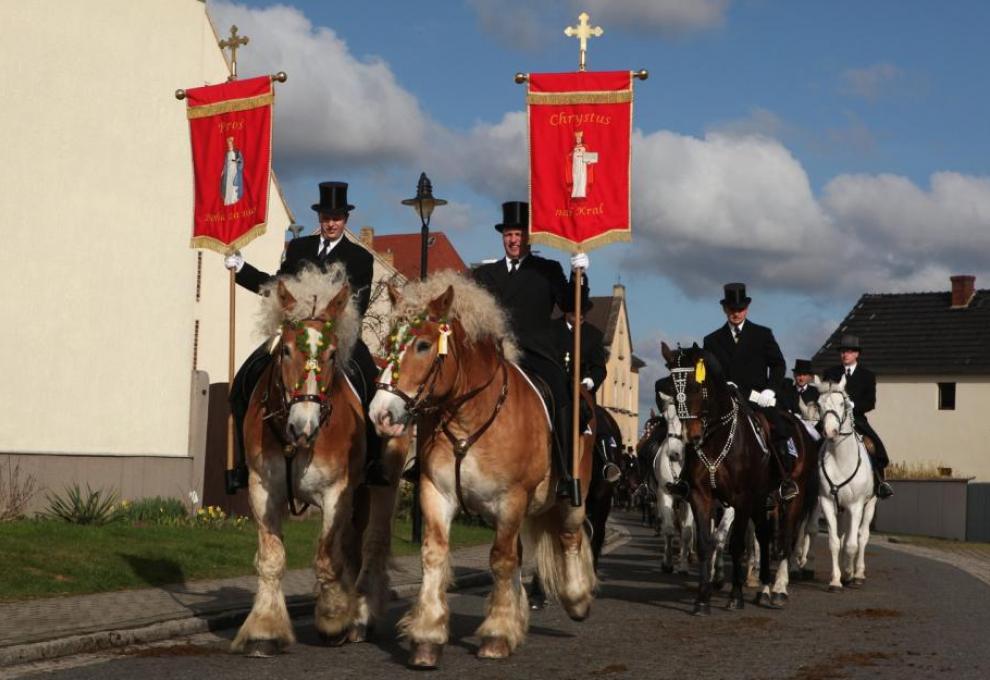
pixel 230 126
pixel 580 129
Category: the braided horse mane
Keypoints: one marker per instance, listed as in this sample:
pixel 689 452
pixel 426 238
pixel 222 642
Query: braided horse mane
pixel 313 289
pixel 475 308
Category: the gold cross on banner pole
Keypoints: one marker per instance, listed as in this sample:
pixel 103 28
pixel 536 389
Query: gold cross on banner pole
pixel 232 43
pixel 582 32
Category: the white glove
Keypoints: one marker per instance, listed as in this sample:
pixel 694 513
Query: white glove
pixel 588 384
pixel 766 398
pixel 852 405
pixel 580 261
pixel 234 261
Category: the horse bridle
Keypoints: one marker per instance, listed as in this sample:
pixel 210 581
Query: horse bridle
pixel 419 402
pixel 842 418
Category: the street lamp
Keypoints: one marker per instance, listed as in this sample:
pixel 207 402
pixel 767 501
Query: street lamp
pixel 424 204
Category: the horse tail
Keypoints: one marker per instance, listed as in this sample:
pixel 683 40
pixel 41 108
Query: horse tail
pixel 569 578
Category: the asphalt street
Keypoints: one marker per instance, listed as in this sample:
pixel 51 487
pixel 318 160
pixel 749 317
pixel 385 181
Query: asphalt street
pixel 915 618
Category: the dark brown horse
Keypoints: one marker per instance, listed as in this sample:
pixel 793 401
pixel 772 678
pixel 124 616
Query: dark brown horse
pixel 728 463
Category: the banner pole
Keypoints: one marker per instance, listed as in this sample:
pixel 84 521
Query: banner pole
pixel 576 387
pixel 231 463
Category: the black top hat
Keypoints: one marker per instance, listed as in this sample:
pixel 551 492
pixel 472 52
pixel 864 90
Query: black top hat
pixel 735 295
pixel 333 198
pixel 802 366
pixel 849 342
pixel 515 215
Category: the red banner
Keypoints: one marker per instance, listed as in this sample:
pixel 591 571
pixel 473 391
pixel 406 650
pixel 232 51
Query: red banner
pixel 580 127
pixel 231 130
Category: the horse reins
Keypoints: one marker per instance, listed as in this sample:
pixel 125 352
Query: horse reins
pixel 834 488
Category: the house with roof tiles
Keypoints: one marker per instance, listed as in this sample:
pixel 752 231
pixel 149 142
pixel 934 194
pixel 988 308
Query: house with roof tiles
pixel 931 354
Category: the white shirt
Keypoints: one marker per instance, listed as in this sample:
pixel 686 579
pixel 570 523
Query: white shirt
pixel 850 369
pixel 519 261
pixel 332 244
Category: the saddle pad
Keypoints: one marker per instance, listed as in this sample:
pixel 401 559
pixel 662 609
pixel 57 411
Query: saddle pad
pixel 536 391
pixel 351 385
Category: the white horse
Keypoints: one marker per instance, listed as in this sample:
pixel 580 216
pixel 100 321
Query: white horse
pixel 674 515
pixel 846 485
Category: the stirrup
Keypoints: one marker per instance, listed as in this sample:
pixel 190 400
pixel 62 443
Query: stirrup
pixel 884 490
pixel 788 490
pixel 611 472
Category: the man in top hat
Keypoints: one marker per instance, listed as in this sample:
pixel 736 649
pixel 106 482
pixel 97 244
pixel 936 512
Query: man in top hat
pixel 321 249
pixel 751 359
pixel 861 386
pixel 798 388
pixel 529 287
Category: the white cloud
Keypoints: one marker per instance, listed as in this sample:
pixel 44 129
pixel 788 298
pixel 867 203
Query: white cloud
pixel 870 82
pixel 667 17
pixel 491 158
pixel 513 23
pixel 723 208
pixel 335 109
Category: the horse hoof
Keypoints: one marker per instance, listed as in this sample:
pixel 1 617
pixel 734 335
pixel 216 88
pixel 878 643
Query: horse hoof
pixel 702 609
pixel 736 602
pixel 425 656
pixel 335 640
pixel 762 599
pixel 835 589
pixel 360 632
pixel 857 583
pixel 494 648
pixel 262 649
pixel 778 600
pixel 667 568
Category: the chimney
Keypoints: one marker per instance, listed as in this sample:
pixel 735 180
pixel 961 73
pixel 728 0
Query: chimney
pixel 367 236
pixel 963 290
pixel 389 257
pixel 618 291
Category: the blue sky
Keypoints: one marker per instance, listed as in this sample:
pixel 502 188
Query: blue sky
pixel 814 150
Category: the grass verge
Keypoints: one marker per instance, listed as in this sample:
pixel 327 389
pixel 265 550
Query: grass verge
pixel 47 558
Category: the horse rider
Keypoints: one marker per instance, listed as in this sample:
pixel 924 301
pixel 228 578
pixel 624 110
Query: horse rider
pixel 861 386
pixel 593 360
pixel 322 249
pixel 529 287
pixel 798 388
pixel 752 361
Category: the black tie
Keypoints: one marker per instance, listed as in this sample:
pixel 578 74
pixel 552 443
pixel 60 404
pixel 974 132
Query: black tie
pixel 514 265
pixel 849 372
pixel 735 333
pixel 324 250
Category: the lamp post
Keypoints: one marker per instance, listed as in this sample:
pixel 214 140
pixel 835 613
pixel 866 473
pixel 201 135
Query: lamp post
pixel 423 203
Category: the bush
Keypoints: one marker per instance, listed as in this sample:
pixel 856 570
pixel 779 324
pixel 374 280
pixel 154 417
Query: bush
pixel 157 510
pixel 15 491
pixel 96 507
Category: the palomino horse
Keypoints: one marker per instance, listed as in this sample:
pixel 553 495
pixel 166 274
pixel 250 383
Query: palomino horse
pixel 304 436
pixel 486 449
pixel 728 464
pixel 846 485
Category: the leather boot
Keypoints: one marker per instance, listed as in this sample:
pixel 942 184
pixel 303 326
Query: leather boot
pixel 881 488
pixel 788 487
pixel 567 487
pixel 678 488
pixel 374 469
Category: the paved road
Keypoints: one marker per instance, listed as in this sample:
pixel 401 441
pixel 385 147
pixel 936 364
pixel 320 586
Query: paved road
pixel 916 618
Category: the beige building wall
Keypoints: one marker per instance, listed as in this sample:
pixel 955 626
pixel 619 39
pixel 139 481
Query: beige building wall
pixel 100 304
pixel 914 430
pixel 620 392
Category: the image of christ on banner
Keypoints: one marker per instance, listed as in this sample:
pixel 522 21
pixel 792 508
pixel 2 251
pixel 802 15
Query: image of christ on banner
pixel 232 177
pixel 580 166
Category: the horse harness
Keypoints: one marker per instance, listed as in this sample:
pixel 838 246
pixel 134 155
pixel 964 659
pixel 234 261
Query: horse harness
pixel 277 419
pixel 834 488
pixel 420 403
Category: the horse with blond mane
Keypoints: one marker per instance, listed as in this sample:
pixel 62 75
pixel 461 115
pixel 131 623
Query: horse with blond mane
pixel 486 450
pixel 304 436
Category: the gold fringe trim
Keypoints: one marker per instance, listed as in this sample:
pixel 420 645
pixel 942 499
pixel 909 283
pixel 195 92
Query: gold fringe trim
pixel 218 246
pixel 553 240
pixel 230 106
pixel 558 98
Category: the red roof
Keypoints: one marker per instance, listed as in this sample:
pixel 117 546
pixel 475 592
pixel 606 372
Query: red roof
pixel 405 249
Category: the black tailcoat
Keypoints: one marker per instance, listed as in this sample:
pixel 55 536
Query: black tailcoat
pixel 861 387
pixel 529 297
pixel 788 396
pixel 358 262
pixel 593 357
pixel 754 363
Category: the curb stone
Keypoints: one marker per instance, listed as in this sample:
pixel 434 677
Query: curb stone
pixel 298 606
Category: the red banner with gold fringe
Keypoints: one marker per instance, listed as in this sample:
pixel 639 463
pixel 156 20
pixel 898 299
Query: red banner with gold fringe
pixel 580 131
pixel 230 126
